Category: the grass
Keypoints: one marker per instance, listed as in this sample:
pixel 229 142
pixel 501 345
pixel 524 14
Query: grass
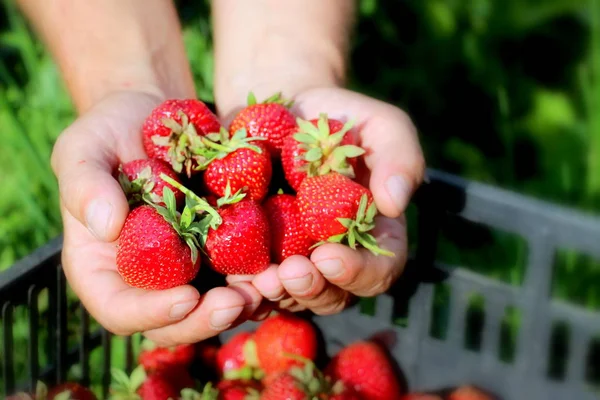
pixel 504 92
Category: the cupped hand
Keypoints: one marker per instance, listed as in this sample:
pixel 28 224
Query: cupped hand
pixel 94 209
pixel 393 168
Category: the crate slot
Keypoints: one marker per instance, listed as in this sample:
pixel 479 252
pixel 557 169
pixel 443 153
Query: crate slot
pixel 84 345
pixel 558 349
pixel 576 363
pixel 7 353
pixel 106 350
pixel 475 318
pixel 32 304
pixel 440 312
pixel 592 361
pixel 491 329
pixel 509 334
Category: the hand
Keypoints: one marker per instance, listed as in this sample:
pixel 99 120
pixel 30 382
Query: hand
pixel 326 282
pixel 94 209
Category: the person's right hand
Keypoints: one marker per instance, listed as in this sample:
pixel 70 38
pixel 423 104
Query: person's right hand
pixel 94 209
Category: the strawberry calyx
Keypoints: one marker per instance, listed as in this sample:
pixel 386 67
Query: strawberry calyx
pixel 323 151
pixel 125 387
pixel 208 393
pixel 230 198
pixel 191 231
pixel 251 370
pixel 219 145
pixel 357 229
pixel 139 189
pixel 274 99
pixel 308 377
pixel 184 143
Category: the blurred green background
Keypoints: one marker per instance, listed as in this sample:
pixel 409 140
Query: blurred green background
pixel 505 92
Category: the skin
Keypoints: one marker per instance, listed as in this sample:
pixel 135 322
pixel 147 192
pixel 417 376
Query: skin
pixel 117 77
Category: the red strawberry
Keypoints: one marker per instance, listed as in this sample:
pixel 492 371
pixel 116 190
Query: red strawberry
pixel 367 368
pixel 347 394
pixel 154 358
pixel 71 391
pixel 141 178
pixel 233 354
pixel 283 335
pixel 162 385
pixel 319 147
pixel 288 236
pixel 241 243
pixel 270 119
pixel 467 392
pixel 334 208
pixel 238 389
pixel 286 387
pixel 158 247
pixel 173 131
pixel 242 163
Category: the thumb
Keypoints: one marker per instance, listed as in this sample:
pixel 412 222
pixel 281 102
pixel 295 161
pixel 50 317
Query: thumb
pixel 395 159
pixel 83 161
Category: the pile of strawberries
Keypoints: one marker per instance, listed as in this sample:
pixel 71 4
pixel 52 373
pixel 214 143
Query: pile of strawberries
pixel 270 186
pixel 281 359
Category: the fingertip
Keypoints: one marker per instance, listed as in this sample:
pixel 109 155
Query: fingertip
pixel 269 285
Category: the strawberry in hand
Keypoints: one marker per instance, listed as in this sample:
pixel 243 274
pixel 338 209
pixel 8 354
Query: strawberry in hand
pixel 270 119
pixel 319 147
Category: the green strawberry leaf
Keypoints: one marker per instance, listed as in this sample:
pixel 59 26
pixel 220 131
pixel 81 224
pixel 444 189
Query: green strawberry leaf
pixel 251 100
pixel 313 155
pixel 305 138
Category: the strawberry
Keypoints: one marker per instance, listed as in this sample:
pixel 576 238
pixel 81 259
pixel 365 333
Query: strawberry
pixel 286 387
pixel 154 358
pixel 288 236
pixel 367 368
pixel 238 389
pixel 64 391
pixel 140 179
pixel 334 208
pixel 173 131
pixel 319 147
pixel 283 335
pixel 421 396
pixel 158 247
pixel 237 356
pixel 270 119
pixel 468 392
pixel 241 162
pixel 162 385
pixel 240 244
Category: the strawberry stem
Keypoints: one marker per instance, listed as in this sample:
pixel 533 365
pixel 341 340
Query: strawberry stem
pixel 202 205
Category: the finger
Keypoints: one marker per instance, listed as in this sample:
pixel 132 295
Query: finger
pixel 269 285
pixel 360 271
pixel 252 299
pixel 84 158
pixel 307 286
pixel 264 310
pixel 118 307
pixel 393 153
pixel 238 278
pixel 217 311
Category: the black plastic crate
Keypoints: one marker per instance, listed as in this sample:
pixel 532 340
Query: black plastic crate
pixel 428 363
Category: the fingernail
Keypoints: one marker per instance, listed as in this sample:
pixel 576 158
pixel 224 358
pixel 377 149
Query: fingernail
pixel 178 311
pixel 97 217
pixel 330 268
pixel 222 319
pixel 299 284
pixel 399 190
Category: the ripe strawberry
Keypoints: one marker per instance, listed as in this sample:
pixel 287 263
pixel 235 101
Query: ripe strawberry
pixel 154 358
pixel 161 385
pixel 284 386
pixel 236 356
pixel 158 247
pixel 270 119
pixel 319 147
pixel 334 208
pixel 347 394
pixel 238 389
pixel 367 368
pixel 283 335
pixel 288 236
pixel 70 391
pixel 173 131
pixel 140 179
pixel 467 392
pixel 241 162
pixel 240 244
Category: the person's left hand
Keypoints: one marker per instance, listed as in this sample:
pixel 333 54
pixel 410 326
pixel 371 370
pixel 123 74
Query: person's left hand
pixel 395 166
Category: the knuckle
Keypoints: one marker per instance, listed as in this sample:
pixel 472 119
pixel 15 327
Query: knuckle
pixel 332 308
